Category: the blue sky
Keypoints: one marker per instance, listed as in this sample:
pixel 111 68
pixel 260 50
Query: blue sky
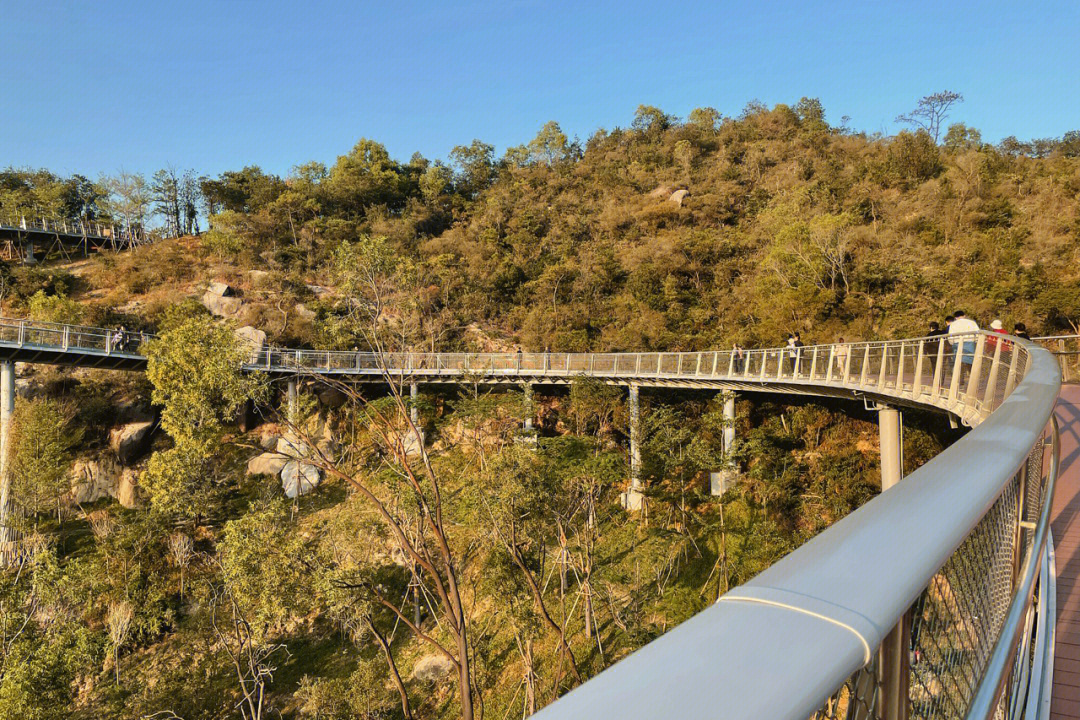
pixel 93 87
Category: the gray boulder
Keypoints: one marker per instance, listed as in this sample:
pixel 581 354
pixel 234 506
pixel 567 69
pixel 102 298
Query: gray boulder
pixel 268 463
pixel 224 307
pixel 678 196
pixel 299 478
pixel 220 289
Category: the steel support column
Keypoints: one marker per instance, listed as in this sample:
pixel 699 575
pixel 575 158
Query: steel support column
pixel 634 497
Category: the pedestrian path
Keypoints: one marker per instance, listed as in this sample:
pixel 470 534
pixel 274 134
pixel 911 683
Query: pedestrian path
pixel 1065 521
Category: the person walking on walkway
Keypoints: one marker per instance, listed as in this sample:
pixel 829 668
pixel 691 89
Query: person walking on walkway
pixel 962 338
pixel 840 356
pixel 739 357
pixel 1020 330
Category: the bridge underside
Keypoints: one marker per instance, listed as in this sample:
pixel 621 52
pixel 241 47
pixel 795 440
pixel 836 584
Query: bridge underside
pixel 27 244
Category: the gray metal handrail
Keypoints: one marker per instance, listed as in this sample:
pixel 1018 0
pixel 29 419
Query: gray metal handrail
pixel 988 696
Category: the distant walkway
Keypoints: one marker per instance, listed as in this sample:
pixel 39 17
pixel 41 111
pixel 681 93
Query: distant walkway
pixel 1065 522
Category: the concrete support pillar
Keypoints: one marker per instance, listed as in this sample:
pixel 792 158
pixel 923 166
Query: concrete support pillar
pixel 29 258
pixel 634 497
pixel 293 400
pixel 720 481
pixel 414 394
pixel 893 661
pixel 529 409
pixel 892 450
pixel 414 441
pixel 7 408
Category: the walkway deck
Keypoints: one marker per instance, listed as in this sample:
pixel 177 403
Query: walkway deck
pixel 1066 526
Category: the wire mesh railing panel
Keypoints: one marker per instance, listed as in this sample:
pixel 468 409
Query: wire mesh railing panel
pixel 958 619
pixel 856 699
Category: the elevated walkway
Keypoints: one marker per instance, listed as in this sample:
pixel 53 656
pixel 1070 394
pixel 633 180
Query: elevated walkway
pixel 1065 521
pixel 23 238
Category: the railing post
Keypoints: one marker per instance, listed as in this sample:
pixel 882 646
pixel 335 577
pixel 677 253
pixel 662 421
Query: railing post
pixel 832 361
pixel 920 357
pixel 764 362
pixel 865 364
pixel 1010 377
pixel 637 364
pixel 976 369
pixel 954 382
pixel 813 363
pixel 899 384
pixel 995 368
pixel 67 332
pixel 884 366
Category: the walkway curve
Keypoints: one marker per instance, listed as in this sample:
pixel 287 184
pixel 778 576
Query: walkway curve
pixel 935 558
pixel 920 372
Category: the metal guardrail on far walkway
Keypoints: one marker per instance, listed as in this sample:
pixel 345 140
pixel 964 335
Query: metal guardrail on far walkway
pixel 927 602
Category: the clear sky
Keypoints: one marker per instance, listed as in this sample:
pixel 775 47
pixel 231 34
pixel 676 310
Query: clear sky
pixel 92 87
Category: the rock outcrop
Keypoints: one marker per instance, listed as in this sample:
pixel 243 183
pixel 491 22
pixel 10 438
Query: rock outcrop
pixel 93 479
pixel 221 300
pixel 678 196
pixel 130 441
pixel 252 338
pixel 128 492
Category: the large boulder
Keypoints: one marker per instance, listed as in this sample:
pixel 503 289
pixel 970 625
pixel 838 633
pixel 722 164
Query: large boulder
pixel 298 478
pixel 130 440
pixel 93 479
pixel 291 447
pixel 678 196
pixel 252 338
pixel 222 306
pixel 268 463
pixel 304 311
pixel 220 289
pixel 432 668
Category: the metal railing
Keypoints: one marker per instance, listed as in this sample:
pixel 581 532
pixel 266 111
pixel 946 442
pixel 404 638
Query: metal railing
pixel 927 602
pixel 75 228
pixel 1066 348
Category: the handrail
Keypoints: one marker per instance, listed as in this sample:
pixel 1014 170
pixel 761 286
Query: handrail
pixel 76 228
pixel 986 699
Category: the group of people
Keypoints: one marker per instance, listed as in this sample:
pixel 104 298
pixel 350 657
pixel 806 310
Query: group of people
pixel 958 333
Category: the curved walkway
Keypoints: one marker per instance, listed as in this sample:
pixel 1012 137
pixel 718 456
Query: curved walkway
pixel 1066 525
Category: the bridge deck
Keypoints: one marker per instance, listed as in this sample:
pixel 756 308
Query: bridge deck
pixel 1066 526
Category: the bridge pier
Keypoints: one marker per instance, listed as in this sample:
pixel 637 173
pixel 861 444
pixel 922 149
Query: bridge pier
pixel 893 656
pixel 720 481
pixel 634 498
pixel 7 408
pixel 293 400
pixel 28 252
pixel 528 407
pixel 414 440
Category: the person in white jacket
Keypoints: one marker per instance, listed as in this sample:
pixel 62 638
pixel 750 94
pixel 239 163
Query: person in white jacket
pixel 964 345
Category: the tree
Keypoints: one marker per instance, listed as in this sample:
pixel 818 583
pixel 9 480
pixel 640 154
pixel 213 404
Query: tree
pixel 961 137
pixel 651 121
pixel 118 620
pixel 931 112
pixel 165 193
pixel 475 165
pixel 549 147
pixel 128 198
pixel 366 176
pixel 195 367
pixel 704 118
pixel 43 438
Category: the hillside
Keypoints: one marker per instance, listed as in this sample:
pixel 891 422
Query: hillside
pixel 170 564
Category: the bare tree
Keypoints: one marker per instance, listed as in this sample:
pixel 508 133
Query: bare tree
pixel 931 112
pixel 128 199
pixel 118 619
pixel 250 657
pixel 182 550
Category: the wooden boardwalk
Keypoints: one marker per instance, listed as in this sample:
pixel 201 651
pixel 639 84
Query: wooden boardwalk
pixel 1065 522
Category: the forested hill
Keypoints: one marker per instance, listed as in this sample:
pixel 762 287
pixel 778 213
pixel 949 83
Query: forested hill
pixel 667 235
pixel 174 562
